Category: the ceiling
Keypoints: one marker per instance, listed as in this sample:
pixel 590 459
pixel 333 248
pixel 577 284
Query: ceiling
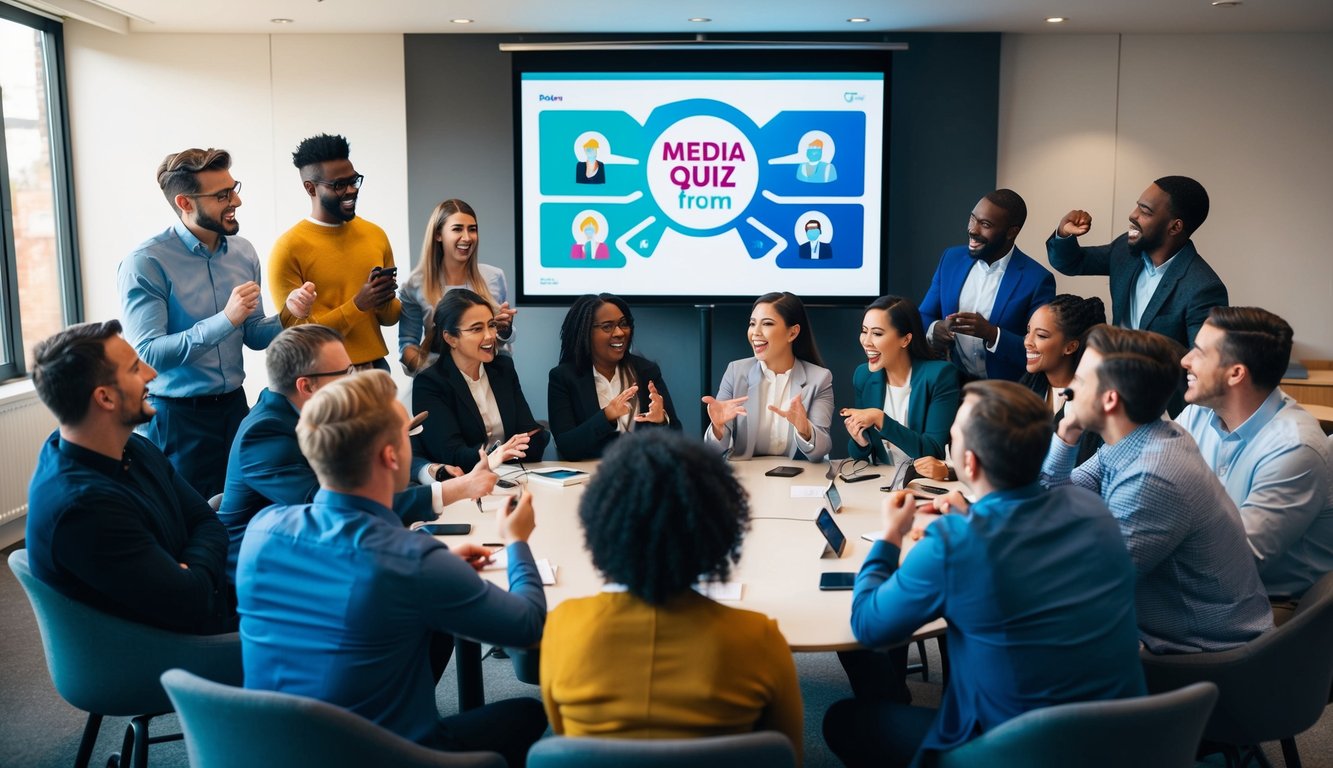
pixel 671 16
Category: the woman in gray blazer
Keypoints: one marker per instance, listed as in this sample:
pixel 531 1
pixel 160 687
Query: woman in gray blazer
pixel 779 402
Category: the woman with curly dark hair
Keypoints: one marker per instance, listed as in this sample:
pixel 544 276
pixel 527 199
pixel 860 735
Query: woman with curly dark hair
pixel 650 657
pixel 600 389
pixel 1057 334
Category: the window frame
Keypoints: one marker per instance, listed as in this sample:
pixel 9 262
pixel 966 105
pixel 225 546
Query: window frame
pixel 62 181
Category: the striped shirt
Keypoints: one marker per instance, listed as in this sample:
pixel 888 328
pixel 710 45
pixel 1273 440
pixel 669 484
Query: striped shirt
pixel 1198 588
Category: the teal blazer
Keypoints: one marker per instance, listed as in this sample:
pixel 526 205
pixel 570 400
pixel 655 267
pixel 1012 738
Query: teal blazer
pixel 930 410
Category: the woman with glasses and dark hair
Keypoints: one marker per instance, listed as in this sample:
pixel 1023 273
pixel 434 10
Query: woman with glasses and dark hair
pixel 472 393
pixel 449 260
pixel 1057 333
pixel 600 389
pixel 649 657
pixel 779 402
pixel 905 401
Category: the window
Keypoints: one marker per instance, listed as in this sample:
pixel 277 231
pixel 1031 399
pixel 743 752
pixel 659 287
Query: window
pixel 38 269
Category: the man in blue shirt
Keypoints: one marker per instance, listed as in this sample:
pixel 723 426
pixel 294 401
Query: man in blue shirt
pixel 1197 587
pixel 339 602
pixel 191 299
pixel 1036 587
pixel 982 294
pixel 1269 453
pixel 1159 282
pixel 110 523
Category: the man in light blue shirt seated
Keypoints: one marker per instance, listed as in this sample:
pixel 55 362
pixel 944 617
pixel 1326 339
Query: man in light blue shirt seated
pixel 1268 451
pixel 339 601
pixel 191 299
pixel 1036 586
pixel 1197 587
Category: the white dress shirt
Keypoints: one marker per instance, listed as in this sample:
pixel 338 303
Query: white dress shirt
pixel 608 390
pixel 895 407
pixel 490 410
pixel 978 295
pixel 772 436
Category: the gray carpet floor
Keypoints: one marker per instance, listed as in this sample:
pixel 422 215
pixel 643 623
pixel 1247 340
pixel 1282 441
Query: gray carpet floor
pixel 39 730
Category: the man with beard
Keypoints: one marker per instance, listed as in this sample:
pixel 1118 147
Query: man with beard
pixel 110 522
pixel 1269 452
pixel 349 258
pixel 982 294
pixel 191 299
pixel 1159 282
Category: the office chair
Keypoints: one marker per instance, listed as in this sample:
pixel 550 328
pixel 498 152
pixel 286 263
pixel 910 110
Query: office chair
pixel 229 727
pixel 106 665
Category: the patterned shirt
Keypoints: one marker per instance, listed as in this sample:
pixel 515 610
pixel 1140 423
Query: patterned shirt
pixel 1198 589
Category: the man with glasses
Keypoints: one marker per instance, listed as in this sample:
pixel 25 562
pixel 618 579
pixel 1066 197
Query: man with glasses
pixel 349 258
pixel 266 465
pixel 191 299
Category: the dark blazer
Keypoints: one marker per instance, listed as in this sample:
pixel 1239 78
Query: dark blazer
pixel 930 410
pixel 580 429
pixel 825 251
pixel 1088 442
pixel 1025 286
pixel 267 467
pixel 1181 302
pixel 454 431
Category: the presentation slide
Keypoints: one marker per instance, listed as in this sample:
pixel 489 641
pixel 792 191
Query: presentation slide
pixel 690 186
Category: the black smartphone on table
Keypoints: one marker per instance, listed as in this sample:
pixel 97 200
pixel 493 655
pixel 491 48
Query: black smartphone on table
pixel 784 471
pixel 446 529
pixel 833 581
pixel 832 533
pixel 861 477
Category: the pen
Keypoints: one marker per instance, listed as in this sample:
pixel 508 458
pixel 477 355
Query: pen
pixel 492 544
pixel 479 509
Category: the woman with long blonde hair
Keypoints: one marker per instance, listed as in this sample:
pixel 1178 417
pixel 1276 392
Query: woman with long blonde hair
pixel 448 260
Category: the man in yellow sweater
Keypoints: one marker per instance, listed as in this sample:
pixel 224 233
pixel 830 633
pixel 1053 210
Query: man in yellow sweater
pixel 348 259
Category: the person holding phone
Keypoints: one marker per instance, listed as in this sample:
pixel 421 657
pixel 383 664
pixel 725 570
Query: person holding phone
pixel 601 390
pixel 779 402
pixel 905 400
pixel 449 260
pixel 650 657
pixel 473 393
pixel 1054 343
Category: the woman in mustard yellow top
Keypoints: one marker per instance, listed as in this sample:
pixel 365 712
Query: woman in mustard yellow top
pixel 649 657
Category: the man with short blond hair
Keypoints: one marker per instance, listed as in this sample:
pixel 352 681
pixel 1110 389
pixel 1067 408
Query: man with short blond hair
pixel 339 602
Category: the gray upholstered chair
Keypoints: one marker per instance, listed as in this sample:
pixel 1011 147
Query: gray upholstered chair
pixel 1271 689
pixel 1160 731
pixel 229 727
pixel 763 748
pixel 109 666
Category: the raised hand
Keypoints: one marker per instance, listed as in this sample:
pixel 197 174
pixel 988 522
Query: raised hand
pixel 656 408
pixel 301 300
pixel 243 300
pixel 1075 223
pixel 722 412
pixel 516 447
pixel 504 319
pixel 795 413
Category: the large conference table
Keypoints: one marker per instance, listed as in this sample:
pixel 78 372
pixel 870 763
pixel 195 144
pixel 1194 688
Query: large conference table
pixel 782 555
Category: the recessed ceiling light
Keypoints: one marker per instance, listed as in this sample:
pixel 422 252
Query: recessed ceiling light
pixel 858 19
pixel 461 21
pixel 281 21
pixel 1226 3
pixel 699 19
pixel 1056 19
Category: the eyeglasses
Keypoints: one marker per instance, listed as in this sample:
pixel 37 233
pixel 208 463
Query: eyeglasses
pixel 222 196
pixel 341 185
pixel 478 328
pixel 857 467
pixel 610 326
pixel 349 370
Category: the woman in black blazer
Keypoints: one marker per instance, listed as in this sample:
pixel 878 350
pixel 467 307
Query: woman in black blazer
pixel 1054 343
pixel 473 394
pixel 601 389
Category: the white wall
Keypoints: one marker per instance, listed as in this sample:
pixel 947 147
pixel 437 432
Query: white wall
pixel 1089 121
pixel 135 98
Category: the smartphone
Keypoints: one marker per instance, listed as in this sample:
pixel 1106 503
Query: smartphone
pixel 832 533
pixel 859 478
pixel 503 483
pixel 836 581
pixel 392 272
pixel 931 488
pixel 784 471
pixel 446 529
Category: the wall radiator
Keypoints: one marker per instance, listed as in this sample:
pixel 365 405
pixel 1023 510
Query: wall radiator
pixel 24 424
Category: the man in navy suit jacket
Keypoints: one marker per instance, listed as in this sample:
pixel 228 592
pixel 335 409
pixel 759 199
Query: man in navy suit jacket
pixel 982 295
pixel 266 465
pixel 1159 282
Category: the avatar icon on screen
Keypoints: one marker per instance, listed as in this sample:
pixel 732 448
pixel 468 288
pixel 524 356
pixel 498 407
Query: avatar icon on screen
pixel 813 248
pixel 816 170
pixel 592 246
pixel 590 170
